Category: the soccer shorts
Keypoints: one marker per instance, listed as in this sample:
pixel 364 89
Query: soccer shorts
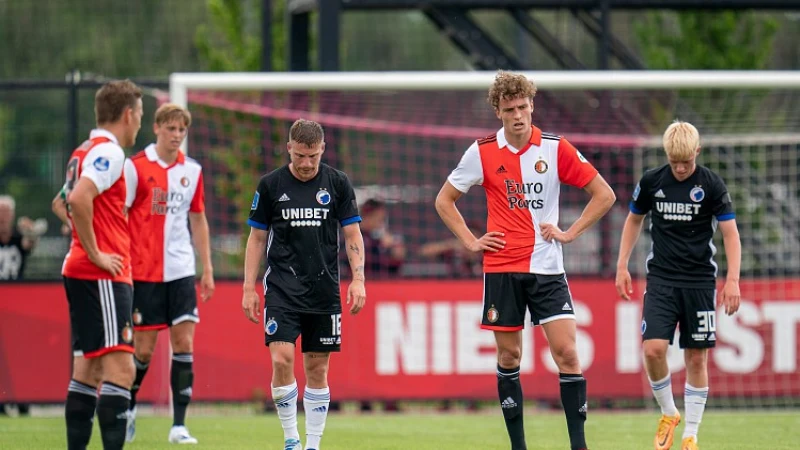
pixel 100 316
pixel 691 309
pixel 321 332
pixel 160 305
pixel 506 296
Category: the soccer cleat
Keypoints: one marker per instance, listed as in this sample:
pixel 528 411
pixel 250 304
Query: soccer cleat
pixel 180 435
pixel 666 431
pixel 130 429
pixel 690 443
pixel 292 444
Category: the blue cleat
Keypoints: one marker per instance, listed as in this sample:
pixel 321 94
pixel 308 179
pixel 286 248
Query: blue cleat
pixel 292 444
pixel 130 429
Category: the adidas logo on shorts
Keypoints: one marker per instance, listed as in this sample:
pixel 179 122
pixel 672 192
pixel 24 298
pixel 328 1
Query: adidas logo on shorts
pixel 566 307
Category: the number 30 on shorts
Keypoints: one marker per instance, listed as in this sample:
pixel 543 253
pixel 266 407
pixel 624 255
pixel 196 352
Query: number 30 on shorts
pixel 706 321
pixel 336 324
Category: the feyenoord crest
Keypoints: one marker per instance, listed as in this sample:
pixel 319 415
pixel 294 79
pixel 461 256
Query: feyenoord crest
pixel 127 333
pixel 271 326
pixel 184 182
pixel 137 317
pixel 323 197
pixel 540 166
pixel 492 315
pixel 697 194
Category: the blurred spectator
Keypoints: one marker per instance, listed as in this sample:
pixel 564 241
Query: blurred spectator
pixel 461 263
pixel 16 243
pixel 385 252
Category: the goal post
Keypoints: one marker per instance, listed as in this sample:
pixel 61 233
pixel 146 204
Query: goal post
pixel 399 134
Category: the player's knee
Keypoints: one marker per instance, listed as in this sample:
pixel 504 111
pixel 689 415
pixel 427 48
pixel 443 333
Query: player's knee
pixel 509 357
pixel 566 358
pixel 654 352
pixel 118 368
pixel 183 343
pixel 143 353
pixel 695 360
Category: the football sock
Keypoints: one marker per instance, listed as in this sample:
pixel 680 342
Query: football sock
pixel 285 398
pixel 79 412
pixel 316 403
pixel 573 398
pixel 662 391
pixel 695 403
pixel 141 371
pixel 181 381
pixel 510 393
pixel 111 413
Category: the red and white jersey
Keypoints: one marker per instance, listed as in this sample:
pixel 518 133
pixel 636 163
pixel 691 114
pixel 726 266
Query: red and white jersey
pixel 522 191
pixel 160 197
pixel 101 160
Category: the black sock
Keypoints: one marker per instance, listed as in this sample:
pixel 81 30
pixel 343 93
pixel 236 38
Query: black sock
pixel 111 413
pixel 510 392
pixel 141 371
pixel 79 412
pixel 181 380
pixel 573 398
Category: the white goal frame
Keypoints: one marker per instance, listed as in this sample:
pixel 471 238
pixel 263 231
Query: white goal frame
pixel 180 83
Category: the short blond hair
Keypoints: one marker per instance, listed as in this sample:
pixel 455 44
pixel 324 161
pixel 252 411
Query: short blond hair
pixel 681 141
pixel 169 112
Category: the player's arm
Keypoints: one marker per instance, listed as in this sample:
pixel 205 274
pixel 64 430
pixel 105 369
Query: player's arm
pixel 81 204
pixel 452 218
pixel 733 252
pixel 601 201
pixel 254 251
pixel 354 243
pixel 59 207
pixel 202 242
pixel 630 234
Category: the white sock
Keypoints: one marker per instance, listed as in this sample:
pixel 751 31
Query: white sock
pixel 285 398
pixel 662 391
pixel 695 403
pixel 316 403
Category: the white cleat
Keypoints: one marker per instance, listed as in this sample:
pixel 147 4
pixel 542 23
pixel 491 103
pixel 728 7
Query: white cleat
pixel 180 435
pixel 292 444
pixel 130 428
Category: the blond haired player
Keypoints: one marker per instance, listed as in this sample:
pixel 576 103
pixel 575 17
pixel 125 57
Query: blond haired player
pixel 521 169
pixel 166 201
pixel 97 270
pixel 686 202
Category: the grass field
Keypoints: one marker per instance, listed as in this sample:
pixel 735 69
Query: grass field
pixel 605 430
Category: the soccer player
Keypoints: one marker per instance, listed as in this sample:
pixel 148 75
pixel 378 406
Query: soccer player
pixel 295 216
pixel 97 270
pixel 165 201
pixel 521 168
pixel 686 203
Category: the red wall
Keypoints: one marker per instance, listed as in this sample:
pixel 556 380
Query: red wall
pixel 416 340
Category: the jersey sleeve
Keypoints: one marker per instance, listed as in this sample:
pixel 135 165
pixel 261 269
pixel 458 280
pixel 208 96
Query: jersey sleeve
pixel 641 203
pixel 103 165
pixel 469 171
pixel 198 204
pixel 722 205
pixel 347 206
pixel 259 209
pixel 131 182
pixel 573 168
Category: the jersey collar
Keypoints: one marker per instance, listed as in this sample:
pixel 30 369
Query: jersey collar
pixel 99 132
pixel 536 139
pixel 152 156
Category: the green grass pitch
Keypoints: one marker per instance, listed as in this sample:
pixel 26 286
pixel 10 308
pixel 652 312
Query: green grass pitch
pixel 746 430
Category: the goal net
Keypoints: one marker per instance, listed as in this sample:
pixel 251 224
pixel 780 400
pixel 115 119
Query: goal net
pixel 398 136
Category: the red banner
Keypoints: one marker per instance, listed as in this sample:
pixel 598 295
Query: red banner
pixel 417 340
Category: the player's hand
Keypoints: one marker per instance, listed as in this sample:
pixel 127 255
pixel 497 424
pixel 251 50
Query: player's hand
pixel 624 284
pixel 489 242
pixel 110 262
pixel 730 297
pixel 207 285
pixel 356 296
pixel 551 232
pixel 251 305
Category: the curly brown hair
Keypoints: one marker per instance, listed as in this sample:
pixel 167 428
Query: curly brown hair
pixel 510 85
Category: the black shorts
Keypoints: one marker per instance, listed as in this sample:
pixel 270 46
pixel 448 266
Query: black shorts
pixel 507 295
pixel 690 308
pixel 160 305
pixel 99 316
pixel 321 332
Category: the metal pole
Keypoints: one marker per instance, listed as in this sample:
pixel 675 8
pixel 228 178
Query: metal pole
pixel 73 79
pixel 605 32
pixel 266 35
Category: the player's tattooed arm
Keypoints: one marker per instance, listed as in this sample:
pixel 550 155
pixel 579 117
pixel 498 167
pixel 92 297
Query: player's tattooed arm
pixel 354 242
